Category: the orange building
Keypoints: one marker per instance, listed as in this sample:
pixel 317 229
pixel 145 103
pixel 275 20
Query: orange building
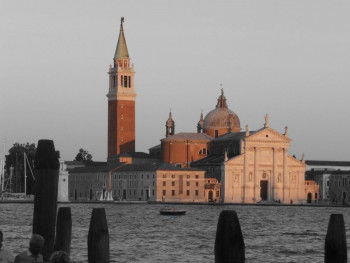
pixel 121 101
pixel 183 148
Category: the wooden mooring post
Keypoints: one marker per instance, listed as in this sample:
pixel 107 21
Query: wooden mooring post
pixel 45 200
pixel 98 237
pixel 63 229
pixel 229 243
pixel 335 245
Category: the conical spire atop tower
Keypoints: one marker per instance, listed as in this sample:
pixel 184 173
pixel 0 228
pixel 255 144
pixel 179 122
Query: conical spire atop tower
pixel 122 50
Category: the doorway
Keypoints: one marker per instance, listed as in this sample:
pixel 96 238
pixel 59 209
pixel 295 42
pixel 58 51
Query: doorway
pixel 309 198
pixel 210 196
pixel 75 194
pixel 124 194
pixel 263 189
pixel 90 194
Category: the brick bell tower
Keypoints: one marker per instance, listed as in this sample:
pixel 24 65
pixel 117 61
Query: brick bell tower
pixel 121 101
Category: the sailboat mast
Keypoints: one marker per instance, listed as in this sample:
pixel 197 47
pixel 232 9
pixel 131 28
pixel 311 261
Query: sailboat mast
pixel 25 174
pixel 2 179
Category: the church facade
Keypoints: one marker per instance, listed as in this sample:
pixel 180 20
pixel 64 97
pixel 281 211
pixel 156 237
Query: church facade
pixel 263 171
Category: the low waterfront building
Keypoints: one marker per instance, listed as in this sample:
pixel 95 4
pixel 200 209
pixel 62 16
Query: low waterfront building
pixel 339 188
pixel 177 184
pixel 312 191
pixel 136 182
pixel 317 165
pixel 212 190
pixel 323 172
pixel 63 186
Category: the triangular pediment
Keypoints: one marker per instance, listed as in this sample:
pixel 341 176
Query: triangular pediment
pixel 268 135
pixel 294 161
pixel 239 159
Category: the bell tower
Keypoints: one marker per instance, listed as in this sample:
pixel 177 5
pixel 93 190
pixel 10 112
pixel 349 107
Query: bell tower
pixel 121 100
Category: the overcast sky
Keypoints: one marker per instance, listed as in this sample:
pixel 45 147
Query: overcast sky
pixel 290 59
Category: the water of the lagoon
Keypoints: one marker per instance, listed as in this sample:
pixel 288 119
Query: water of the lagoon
pixel 138 233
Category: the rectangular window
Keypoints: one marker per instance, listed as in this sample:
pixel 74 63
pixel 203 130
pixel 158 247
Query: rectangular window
pixel 121 80
pixel 173 183
pixel 187 183
pixel 164 183
pixel 197 183
pixel 164 192
pixel 153 192
pixel 173 176
pixel 188 192
pixel 196 176
pixel 196 192
pixel 172 192
pixel 129 81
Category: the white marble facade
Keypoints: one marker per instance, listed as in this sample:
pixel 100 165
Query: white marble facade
pixel 264 171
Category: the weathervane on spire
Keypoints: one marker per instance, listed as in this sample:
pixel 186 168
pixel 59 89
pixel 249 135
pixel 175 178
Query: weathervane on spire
pixel 122 21
pixel 222 90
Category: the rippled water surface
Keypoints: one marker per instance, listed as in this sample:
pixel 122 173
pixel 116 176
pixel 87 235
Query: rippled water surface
pixel 139 234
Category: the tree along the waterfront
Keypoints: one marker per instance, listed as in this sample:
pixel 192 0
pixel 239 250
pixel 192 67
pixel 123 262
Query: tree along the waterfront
pixel 14 167
pixel 83 156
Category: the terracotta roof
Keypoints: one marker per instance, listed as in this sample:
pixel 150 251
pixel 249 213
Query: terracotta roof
pixel 158 146
pixel 189 136
pixel 166 166
pixel 139 155
pixel 73 163
pixel 130 167
pixel 327 163
pixel 96 169
pixel 233 136
pixel 210 159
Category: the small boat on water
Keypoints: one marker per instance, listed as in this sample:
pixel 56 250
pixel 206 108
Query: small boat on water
pixel 172 212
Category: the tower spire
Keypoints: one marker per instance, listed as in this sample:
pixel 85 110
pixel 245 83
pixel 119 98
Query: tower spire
pixel 122 50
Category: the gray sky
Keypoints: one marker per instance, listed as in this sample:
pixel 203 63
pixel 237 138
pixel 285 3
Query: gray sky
pixel 289 59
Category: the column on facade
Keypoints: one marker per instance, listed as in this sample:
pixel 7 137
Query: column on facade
pixel 256 194
pixel 245 172
pixel 274 174
pixel 284 179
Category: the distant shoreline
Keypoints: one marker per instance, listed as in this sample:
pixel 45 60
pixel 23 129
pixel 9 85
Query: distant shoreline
pixel 171 203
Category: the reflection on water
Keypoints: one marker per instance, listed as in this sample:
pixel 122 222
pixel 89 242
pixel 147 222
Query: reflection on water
pixel 138 233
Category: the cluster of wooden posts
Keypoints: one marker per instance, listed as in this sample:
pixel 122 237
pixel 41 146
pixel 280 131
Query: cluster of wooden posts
pixel 58 236
pixel 229 242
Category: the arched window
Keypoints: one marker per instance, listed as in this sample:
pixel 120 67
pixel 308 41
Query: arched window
pixel 203 151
